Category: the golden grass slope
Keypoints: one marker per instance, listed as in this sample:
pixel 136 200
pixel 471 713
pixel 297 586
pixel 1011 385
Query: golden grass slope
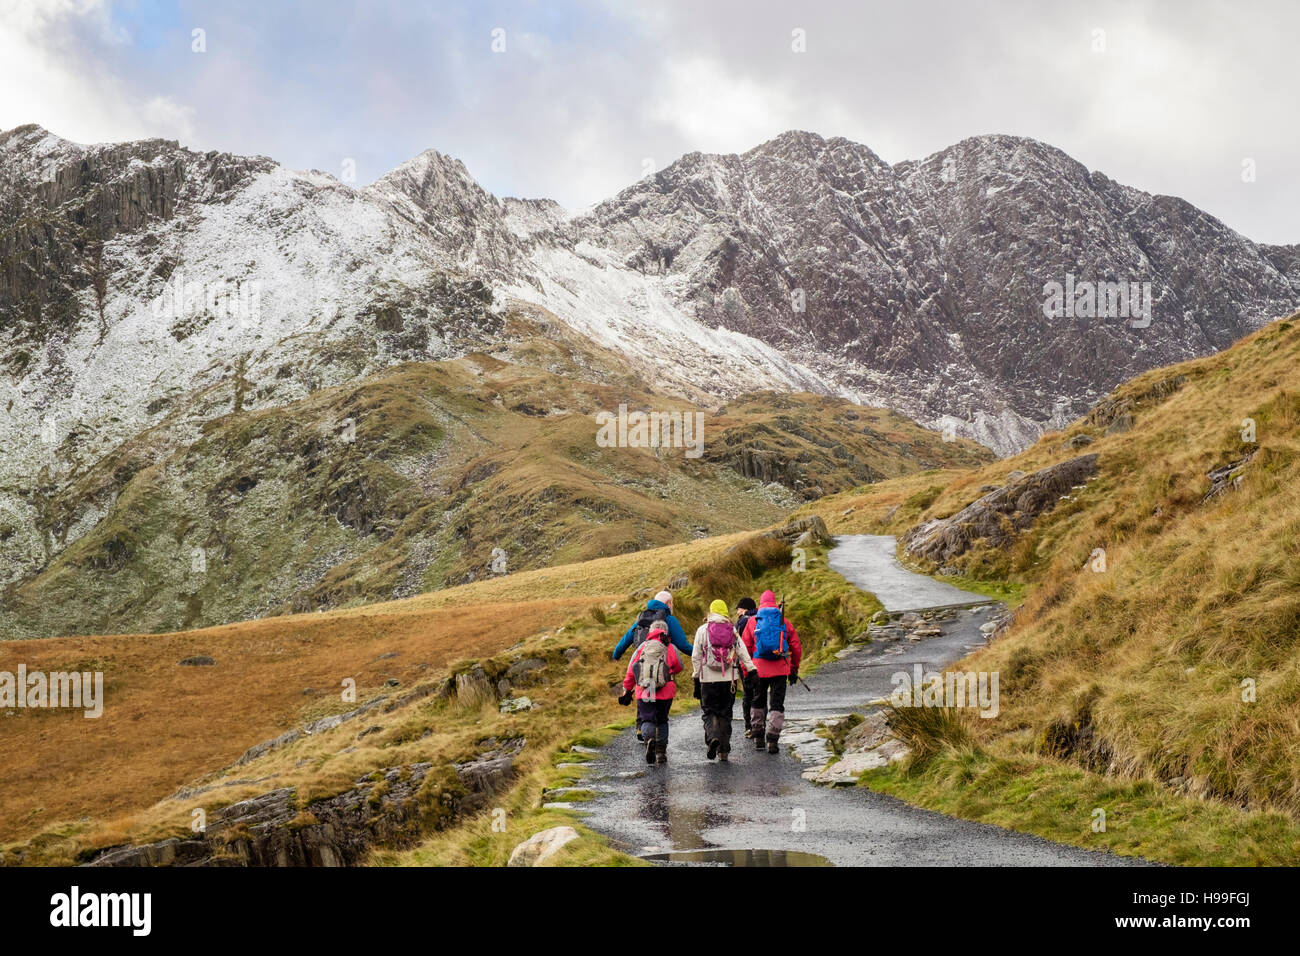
pixel 1180 662
pixel 166 724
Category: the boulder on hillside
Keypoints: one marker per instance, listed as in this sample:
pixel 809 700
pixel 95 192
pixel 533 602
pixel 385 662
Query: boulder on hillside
pixel 804 532
pixel 1001 514
pixel 1224 478
pixel 540 847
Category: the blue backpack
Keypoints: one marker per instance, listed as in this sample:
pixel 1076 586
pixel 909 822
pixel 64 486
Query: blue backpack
pixel 769 634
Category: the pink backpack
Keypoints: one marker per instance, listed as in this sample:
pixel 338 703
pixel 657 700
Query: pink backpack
pixel 722 644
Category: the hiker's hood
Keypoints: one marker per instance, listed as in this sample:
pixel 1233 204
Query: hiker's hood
pixel 767 600
pixel 720 618
pixel 656 605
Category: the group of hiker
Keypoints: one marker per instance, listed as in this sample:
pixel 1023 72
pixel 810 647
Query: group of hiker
pixel 757 650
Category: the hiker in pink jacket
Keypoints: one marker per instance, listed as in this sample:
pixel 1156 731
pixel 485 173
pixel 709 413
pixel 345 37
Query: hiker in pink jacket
pixel 774 644
pixel 650 677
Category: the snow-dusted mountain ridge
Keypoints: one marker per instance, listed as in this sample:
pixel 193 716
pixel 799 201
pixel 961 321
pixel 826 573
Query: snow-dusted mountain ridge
pixel 134 273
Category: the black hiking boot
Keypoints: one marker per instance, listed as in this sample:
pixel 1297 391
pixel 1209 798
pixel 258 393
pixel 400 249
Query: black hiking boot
pixel 758 742
pixel 713 749
pixel 661 752
pixel 723 756
pixel 650 750
pixel 772 746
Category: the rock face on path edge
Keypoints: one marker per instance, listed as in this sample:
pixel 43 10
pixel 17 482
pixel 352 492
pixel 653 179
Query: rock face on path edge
pixel 867 746
pixel 540 847
pixel 1001 514
pixel 391 808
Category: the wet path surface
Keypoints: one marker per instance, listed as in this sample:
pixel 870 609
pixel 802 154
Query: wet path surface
pixel 870 562
pixel 759 801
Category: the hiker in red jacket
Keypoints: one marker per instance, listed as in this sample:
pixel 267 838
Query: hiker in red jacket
pixel 650 676
pixel 773 643
pixel 745 610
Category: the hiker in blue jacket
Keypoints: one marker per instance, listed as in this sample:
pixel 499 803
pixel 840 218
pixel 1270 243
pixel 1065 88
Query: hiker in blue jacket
pixel 658 608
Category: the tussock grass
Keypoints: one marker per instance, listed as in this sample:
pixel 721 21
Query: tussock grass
pixel 929 731
pixel 731 574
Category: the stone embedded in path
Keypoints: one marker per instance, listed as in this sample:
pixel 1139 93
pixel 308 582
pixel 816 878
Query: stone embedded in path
pixel 548 792
pixel 810 747
pixel 540 847
pixel 846 770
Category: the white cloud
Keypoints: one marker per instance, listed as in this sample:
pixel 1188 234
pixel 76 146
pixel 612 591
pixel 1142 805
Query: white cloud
pixel 718 109
pixel 172 120
pixel 46 78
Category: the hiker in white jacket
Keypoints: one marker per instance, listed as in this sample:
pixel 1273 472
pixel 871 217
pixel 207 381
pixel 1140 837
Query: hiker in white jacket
pixel 718 660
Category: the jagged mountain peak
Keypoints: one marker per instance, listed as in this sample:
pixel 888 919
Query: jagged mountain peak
pixel 429 168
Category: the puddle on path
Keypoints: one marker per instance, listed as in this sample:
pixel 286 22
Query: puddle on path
pixel 738 858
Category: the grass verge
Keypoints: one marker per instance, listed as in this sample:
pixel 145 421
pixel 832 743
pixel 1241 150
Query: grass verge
pixel 1061 802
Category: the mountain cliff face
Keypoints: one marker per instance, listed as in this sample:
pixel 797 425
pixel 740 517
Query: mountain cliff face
pixel 147 290
pixel 921 285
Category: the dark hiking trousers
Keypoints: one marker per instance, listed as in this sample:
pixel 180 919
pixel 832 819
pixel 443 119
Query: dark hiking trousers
pixel 747 700
pixel 716 700
pixel 652 715
pixel 767 709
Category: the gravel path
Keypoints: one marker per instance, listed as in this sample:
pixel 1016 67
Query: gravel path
pixel 758 810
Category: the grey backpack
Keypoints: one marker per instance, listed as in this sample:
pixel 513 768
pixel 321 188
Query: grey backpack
pixel 652 668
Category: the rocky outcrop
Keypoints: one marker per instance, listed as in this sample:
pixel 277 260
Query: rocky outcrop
pixel 1115 412
pixel 63 203
pixel 1227 477
pixel 809 531
pixel 391 807
pixel 999 516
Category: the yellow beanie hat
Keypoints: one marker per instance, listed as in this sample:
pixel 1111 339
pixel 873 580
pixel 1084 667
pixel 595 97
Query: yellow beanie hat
pixel 718 607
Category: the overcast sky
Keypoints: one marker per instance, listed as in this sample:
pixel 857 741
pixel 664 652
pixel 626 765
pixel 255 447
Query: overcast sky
pixel 1171 97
